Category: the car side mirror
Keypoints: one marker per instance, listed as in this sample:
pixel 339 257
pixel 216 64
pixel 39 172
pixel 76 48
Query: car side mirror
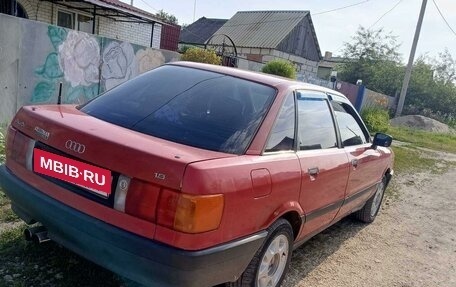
pixel 381 139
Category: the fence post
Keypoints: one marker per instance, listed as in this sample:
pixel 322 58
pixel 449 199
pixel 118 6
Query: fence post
pixel 360 97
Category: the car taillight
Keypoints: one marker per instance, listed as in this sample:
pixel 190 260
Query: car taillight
pixel 21 148
pixel 172 209
pixel 190 213
pixel 10 133
pixel 141 200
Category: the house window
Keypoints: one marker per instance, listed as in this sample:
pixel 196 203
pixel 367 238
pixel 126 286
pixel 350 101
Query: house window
pixel 74 21
pixel 65 19
pixel 85 23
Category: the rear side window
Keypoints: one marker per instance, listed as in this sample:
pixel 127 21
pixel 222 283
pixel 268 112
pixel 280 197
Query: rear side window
pixel 351 131
pixel 189 106
pixel 282 136
pixel 315 123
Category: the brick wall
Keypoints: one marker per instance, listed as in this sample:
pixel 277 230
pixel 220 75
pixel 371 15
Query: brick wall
pixel 131 32
pixel 38 10
pixel 157 36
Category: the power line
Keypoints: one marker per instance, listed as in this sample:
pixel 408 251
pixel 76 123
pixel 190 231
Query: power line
pixel 341 8
pixel 443 17
pixel 381 17
pixel 297 17
pixel 149 5
pixel 375 23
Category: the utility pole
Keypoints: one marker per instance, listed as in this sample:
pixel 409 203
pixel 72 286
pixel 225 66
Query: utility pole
pixel 408 71
pixel 194 10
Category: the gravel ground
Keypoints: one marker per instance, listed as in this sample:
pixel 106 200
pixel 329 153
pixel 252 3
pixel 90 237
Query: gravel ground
pixel 411 243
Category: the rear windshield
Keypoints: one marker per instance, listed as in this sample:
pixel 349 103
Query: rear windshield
pixel 189 106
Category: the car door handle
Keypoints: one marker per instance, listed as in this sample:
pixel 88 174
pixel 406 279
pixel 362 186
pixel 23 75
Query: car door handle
pixel 354 162
pixel 313 171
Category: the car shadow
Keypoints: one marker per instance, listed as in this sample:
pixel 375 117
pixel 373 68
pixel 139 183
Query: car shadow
pixel 315 251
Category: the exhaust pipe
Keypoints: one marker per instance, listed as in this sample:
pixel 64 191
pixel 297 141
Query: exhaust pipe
pixel 40 237
pixel 29 232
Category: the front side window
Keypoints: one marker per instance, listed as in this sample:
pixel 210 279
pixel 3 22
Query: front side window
pixel 189 106
pixel 282 136
pixel 315 123
pixel 350 129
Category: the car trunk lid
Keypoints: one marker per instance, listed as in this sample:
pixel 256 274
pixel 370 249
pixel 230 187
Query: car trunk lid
pixel 56 129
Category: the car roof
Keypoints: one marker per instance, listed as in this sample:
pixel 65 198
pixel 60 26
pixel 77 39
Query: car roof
pixel 267 79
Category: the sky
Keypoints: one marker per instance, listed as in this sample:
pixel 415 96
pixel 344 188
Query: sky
pixel 335 28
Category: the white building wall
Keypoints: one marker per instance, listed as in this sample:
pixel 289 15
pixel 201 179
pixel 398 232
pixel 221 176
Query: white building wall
pixel 38 10
pixel 131 32
pixel 157 36
pixel 136 33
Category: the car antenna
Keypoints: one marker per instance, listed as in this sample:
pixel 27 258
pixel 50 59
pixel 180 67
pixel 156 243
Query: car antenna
pixel 59 98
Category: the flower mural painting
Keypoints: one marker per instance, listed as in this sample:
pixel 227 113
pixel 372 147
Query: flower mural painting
pixel 149 59
pixel 118 64
pixel 87 65
pixel 51 67
pixel 79 59
pixel 56 35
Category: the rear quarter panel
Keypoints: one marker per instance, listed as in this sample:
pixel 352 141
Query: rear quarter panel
pixel 244 211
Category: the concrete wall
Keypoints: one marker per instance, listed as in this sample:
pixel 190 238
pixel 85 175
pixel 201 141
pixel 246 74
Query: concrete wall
pixel 36 57
pixel 135 33
pixel 301 75
pixel 372 98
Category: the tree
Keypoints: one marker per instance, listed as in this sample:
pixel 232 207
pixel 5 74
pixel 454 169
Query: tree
pixel 201 55
pixel 429 94
pixel 282 68
pixel 445 67
pixel 373 57
pixel 169 18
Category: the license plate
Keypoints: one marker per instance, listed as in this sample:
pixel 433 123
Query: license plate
pixel 93 178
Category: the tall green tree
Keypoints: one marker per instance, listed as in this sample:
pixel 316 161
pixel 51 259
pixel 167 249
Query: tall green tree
pixel 167 17
pixel 445 67
pixel 372 56
pixel 430 93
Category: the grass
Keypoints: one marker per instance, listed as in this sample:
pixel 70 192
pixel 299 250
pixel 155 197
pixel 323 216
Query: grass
pixel 409 159
pixel 47 264
pixel 435 141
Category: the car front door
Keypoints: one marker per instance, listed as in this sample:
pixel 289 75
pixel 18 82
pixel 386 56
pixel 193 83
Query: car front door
pixel 364 160
pixel 324 166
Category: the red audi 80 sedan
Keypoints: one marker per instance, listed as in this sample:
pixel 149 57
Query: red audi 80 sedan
pixel 193 174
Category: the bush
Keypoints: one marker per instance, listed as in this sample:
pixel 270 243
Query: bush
pixel 280 68
pixel 376 119
pixel 201 56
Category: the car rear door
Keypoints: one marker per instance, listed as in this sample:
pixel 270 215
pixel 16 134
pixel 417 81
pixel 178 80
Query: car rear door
pixel 364 160
pixel 324 166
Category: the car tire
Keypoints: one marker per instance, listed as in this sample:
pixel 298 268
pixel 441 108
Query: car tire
pixel 270 263
pixel 370 210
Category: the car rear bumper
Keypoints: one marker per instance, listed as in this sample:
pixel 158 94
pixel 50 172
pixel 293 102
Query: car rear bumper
pixel 140 259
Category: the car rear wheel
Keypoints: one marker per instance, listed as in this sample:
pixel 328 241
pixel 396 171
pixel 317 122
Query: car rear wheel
pixel 370 210
pixel 270 264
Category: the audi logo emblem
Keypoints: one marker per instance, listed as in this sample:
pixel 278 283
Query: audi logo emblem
pixel 75 146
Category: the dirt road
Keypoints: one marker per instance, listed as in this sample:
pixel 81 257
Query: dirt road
pixel 412 242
